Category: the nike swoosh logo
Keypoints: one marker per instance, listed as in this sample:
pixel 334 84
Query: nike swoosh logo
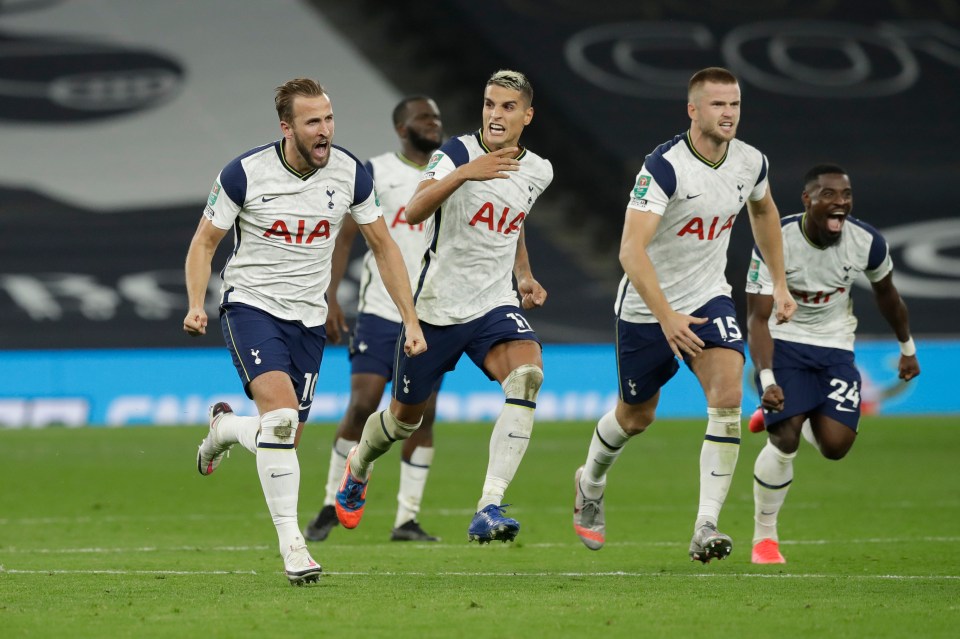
pixel 690 197
pixel 763 512
pixel 274 475
pixel 716 474
pixel 268 199
pixel 516 436
pixel 845 410
pixel 302 407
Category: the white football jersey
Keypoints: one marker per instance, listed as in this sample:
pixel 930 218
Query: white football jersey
pixel 396 179
pixel 820 280
pixel 698 202
pixel 285 224
pixel 468 266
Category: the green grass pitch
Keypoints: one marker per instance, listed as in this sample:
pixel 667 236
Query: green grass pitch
pixel 113 533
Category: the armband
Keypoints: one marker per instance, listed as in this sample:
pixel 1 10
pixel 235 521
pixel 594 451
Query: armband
pixel 908 348
pixel 767 379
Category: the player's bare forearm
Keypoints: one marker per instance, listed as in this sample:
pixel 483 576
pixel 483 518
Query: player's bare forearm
pixel 197 269
pixel 894 311
pixel 430 195
pixel 892 307
pixel 759 340
pixel 392 269
pixel 638 229
pixel 765 223
pixel 532 294
pixel 341 254
pixel 397 282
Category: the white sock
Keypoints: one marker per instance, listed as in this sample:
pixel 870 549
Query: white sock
pixel 338 461
pixel 413 480
pixel 379 433
pixel 772 475
pixel 511 432
pixel 235 429
pixel 279 471
pixel 718 460
pixel 607 443
pixel 807 431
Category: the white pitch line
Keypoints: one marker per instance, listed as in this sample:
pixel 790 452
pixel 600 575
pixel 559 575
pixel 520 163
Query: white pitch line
pixel 16 571
pixel 457 546
pixel 501 575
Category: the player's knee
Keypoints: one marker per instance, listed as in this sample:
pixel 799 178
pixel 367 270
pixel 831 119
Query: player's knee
pixel 833 452
pixel 524 382
pixel 278 428
pixel 396 429
pixel 786 440
pixel 357 412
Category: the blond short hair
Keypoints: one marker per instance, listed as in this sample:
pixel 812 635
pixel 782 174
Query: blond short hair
pixel 515 80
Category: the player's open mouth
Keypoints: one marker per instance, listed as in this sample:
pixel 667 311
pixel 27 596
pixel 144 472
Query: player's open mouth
pixel 497 129
pixel 320 149
pixel 835 221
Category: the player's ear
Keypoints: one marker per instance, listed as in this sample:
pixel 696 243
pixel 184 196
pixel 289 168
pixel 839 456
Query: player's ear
pixel 528 116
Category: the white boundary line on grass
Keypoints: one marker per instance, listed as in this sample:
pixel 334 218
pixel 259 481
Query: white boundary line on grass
pixel 360 573
pixel 104 571
pixel 452 546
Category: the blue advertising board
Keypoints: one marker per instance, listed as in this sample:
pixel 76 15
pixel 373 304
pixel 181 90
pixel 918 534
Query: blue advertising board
pixel 175 386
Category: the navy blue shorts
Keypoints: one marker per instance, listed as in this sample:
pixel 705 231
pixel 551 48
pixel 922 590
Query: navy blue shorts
pixel 373 346
pixel 645 362
pixel 415 377
pixel 815 379
pixel 260 343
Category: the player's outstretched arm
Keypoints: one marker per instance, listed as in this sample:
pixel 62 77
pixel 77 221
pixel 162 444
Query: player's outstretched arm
pixel 759 309
pixel 396 280
pixel 765 223
pixel 638 229
pixel 197 270
pixel 531 293
pixel 894 310
pixel 336 321
pixel 430 194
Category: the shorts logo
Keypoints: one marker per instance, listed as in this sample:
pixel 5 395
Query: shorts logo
pixel 406 384
pixel 754 272
pixel 640 189
pixel 256 356
pixel 633 387
pixel 434 161
pixel 214 194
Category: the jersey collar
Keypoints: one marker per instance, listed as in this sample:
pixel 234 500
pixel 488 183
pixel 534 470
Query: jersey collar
pixel 696 154
pixel 479 136
pixel 803 232
pixel 409 162
pixel 283 160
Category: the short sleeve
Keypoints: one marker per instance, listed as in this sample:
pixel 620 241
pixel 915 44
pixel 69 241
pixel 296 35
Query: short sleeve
pixel 758 276
pixel 225 199
pixel 445 160
pixel 760 187
pixel 654 186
